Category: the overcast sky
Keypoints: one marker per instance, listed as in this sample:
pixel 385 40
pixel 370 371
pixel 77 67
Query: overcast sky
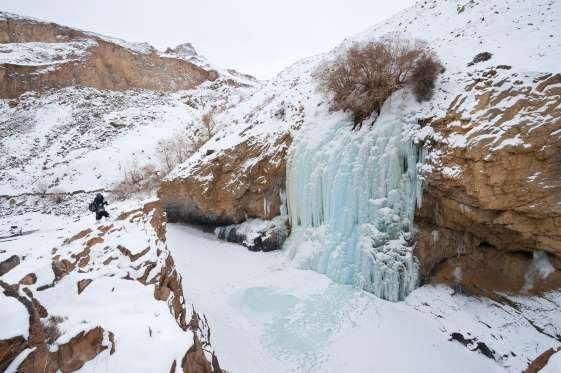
pixel 258 37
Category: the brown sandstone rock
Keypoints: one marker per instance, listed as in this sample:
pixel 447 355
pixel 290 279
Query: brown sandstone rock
pixel 70 356
pixel 541 361
pixel 194 360
pixel 29 279
pixel 82 284
pixel 504 197
pixel 158 220
pixel 9 349
pixel 8 264
pixel 77 236
pixel 227 187
pixel 106 65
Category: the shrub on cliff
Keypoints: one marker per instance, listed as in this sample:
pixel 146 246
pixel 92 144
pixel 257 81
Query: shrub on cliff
pixel 362 78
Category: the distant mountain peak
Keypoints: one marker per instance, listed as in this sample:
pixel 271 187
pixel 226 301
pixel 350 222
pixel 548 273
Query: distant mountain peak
pixel 184 50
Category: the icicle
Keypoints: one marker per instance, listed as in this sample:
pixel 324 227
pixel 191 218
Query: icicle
pixel 351 198
pixel 283 205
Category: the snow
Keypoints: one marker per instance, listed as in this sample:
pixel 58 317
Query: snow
pixel 519 33
pixel 14 318
pixel 38 54
pixel 553 365
pixel 452 172
pixel 126 308
pixel 268 315
pixel 457 140
pixel 85 139
pixel 540 267
pixel 513 142
pixel 142 48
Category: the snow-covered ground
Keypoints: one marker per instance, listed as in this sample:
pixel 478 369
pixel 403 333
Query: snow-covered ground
pixel 267 315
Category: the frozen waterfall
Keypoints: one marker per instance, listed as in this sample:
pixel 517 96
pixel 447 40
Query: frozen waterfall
pixel 351 199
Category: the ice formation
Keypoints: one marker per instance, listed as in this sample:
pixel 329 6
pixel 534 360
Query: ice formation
pixel 351 199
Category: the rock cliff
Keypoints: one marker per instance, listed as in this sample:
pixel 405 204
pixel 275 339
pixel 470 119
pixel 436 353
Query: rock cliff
pixel 493 200
pixel 37 56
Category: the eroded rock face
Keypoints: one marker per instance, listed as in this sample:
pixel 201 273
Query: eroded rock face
pixel 92 61
pixel 70 356
pixel 229 186
pixel 493 198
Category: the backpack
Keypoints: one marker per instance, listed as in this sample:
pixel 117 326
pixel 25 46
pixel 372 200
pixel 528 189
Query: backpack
pixel 91 207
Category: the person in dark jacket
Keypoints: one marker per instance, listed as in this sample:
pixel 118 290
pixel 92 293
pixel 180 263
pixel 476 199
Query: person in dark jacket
pixel 99 205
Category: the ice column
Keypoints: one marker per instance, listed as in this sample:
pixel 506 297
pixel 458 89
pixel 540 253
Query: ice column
pixel 351 198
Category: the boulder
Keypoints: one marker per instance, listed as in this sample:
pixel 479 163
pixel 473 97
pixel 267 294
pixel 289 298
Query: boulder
pixel 257 234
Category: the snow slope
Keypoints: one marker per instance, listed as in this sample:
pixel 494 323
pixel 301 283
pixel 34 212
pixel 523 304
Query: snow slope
pixel 85 139
pixel 520 33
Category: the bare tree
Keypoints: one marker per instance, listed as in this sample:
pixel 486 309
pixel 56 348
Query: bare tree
pixel 367 74
pixel 209 123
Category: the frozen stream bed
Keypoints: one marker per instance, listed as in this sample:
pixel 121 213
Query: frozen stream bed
pixel 267 316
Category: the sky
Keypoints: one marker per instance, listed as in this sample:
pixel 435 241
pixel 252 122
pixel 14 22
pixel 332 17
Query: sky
pixel 258 37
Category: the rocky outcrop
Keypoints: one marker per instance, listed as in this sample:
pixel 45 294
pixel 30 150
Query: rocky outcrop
pixel 86 259
pixel 69 356
pixel 257 234
pixel 492 202
pixel 8 264
pixel 225 187
pixel 541 361
pixel 85 59
pixel 9 349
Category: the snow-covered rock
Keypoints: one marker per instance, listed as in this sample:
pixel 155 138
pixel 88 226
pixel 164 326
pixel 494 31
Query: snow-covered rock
pixel 105 293
pixel 257 234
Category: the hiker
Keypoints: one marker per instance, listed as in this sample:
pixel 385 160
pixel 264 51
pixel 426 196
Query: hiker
pixel 98 206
